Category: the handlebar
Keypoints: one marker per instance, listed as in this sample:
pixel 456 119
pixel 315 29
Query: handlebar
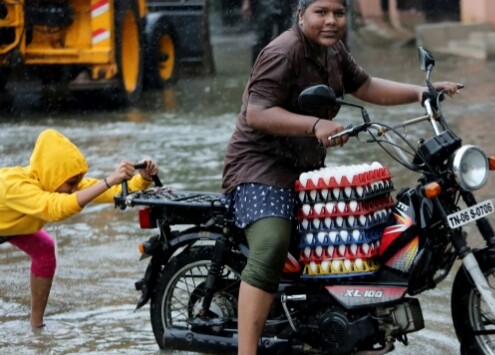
pixel 323 96
pixel 381 130
pixel 429 101
pixel 351 130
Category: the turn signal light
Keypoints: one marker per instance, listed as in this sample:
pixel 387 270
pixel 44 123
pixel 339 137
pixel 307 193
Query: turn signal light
pixel 145 220
pixel 141 248
pixel 491 162
pixel 433 189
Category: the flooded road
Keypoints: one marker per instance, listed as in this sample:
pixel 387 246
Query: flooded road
pixel 186 129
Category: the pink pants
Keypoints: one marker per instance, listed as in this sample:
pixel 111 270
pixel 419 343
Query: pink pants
pixel 40 246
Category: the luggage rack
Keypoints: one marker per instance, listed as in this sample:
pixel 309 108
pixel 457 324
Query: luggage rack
pixel 166 196
pixel 189 207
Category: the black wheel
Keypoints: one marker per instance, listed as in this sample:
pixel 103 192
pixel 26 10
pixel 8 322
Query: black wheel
pixel 162 61
pixel 470 313
pixel 129 53
pixel 180 288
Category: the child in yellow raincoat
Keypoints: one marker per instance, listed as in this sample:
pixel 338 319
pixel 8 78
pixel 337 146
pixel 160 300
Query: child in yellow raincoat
pixel 50 189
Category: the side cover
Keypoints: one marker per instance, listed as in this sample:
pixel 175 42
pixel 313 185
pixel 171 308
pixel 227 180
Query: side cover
pixel 400 242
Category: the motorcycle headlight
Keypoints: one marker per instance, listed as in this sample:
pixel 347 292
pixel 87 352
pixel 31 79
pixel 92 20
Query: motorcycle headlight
pixel 470 167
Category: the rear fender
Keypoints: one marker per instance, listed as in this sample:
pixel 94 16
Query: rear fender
pixel 163 255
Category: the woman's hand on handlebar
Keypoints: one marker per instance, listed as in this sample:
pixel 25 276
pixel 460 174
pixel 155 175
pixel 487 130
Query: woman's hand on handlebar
pixel 448 87
pixel 325 129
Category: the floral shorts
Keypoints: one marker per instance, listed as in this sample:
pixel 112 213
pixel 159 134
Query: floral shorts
pixel 251 202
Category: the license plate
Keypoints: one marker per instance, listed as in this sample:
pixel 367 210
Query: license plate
pixel 470 214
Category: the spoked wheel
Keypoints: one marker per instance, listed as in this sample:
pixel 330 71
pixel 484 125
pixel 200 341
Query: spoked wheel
pixel 129 52
pixel 179 292
pixel 162 62
pixel 473 320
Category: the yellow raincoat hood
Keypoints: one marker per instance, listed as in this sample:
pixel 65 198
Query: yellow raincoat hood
pixel 55 160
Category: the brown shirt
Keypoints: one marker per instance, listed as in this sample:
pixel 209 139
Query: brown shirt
pixel 284 68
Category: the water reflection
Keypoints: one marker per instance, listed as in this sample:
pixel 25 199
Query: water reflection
pixel 186 129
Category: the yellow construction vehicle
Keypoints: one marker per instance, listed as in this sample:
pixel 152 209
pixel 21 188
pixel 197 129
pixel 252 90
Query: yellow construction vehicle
pixel 113 47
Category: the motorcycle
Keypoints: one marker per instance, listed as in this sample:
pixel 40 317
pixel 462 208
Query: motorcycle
pixel 358 257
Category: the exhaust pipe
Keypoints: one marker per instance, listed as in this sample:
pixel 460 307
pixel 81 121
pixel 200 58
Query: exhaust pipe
pixel 185 339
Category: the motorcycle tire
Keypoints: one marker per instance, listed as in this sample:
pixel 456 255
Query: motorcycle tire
pixel 179 290
pixel 470 313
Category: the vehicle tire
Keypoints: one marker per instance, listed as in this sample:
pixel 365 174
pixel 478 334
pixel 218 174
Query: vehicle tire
pixel 179 291
pixel 469 311
pixel 162 62
pixel 129 53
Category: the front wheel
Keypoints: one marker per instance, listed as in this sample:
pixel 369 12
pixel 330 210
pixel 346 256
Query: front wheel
pixel 180 290
pixel 474 324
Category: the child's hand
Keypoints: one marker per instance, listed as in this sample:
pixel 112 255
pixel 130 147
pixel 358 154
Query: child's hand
pixel 124 171
pixel 150 170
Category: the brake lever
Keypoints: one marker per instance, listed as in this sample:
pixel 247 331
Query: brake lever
pixel 351 131
pixel 432 95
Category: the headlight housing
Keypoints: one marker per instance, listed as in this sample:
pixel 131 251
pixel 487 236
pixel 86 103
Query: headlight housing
pixel 470 167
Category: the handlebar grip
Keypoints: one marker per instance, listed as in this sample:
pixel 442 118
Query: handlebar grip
pixel 140 165
pixel 351 130
pixel 155 178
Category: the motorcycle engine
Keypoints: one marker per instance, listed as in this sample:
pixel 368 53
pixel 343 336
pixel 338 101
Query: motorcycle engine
pixel 339 334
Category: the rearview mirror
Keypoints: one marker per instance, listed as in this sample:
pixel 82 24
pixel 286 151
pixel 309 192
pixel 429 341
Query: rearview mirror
pixel 426 60
pixel 322 96
pixel 318 96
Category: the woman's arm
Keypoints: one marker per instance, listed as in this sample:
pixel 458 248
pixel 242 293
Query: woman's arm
pixel 280 122
pixel 386 92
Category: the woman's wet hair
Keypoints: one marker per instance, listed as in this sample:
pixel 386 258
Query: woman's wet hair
pixel 302 5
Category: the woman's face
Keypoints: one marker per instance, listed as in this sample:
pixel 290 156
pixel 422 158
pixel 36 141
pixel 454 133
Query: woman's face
pixel 324 22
